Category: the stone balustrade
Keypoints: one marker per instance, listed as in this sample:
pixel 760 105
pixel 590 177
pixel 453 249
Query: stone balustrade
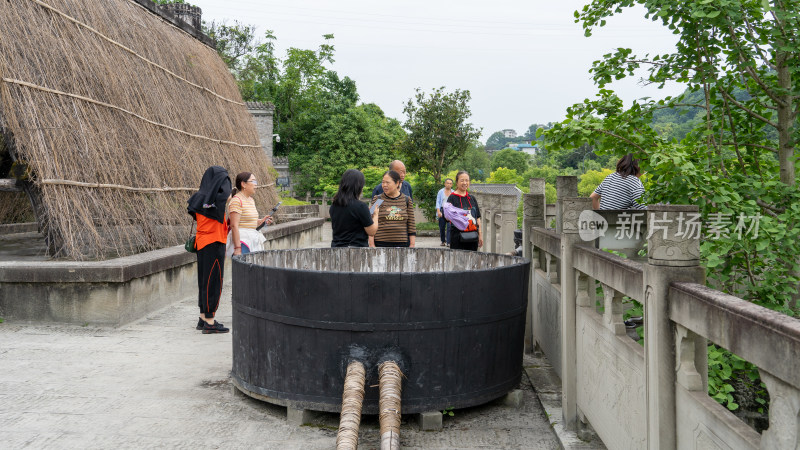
pixel 651 396
pixel 498 220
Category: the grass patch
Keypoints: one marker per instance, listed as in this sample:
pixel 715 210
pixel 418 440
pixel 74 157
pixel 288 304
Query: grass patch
pixel 289 201
pixel 428 226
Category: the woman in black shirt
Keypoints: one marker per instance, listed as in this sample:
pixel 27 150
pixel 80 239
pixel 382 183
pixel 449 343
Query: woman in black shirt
pixel 464 200
pixel 350 219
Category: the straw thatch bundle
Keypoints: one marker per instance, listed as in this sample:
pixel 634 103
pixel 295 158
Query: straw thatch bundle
pixel 116 113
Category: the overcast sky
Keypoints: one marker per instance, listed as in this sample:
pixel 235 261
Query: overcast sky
pixel 524 61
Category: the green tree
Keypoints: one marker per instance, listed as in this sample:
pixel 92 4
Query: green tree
pixel 475 161
pixel 438 131
pixel 496 141
pixel 590 180
pixel 503 176
pixel 530 135
pixel 360 137
pixel 738 159
pixel 510 159
pixel 234 43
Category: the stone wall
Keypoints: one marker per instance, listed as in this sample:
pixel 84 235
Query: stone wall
pixel 117 291
pixel 263 117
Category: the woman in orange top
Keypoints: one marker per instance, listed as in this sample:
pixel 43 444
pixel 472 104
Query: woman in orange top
pixel 207 206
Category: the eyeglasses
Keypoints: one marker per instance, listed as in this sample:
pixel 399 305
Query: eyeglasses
pixel 254 182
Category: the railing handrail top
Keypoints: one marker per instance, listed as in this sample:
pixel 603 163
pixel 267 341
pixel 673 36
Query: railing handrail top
pixel 610 257
pixel 547 231
pixel 769 319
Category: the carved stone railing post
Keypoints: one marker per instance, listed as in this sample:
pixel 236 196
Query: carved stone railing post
pixel 533 211
pixel 570 210
pixel 612 310
pixel 551 268
pixel 585 290
pixel 509 204
pixel 673 254
pixel 566 187
pixel 487 220
pixel 784 414
pixel 688 370
pixel 497 244
pixel 323 206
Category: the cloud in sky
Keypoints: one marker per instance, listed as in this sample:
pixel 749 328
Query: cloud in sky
pixel 523 61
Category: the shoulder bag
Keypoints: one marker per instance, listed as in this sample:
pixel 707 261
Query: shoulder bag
pixel 190 244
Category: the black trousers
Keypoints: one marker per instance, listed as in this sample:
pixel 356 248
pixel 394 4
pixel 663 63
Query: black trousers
pixel 210 267
pixel 444 230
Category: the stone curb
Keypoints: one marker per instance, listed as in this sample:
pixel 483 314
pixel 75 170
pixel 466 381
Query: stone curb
pixel 547 386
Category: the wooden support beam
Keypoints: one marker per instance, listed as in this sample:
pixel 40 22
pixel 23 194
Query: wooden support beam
pixel 9 185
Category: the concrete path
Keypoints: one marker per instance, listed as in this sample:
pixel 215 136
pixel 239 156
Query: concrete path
pixel 159 383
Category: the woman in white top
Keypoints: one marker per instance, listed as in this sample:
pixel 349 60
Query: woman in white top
pixel 244 217
pixel 620 190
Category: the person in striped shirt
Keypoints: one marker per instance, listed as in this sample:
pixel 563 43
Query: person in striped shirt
pixel 396 225
pixel 244 217
pixel 621 189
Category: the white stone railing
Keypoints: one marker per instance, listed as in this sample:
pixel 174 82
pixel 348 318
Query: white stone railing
pixel 499 220
pixel 653 396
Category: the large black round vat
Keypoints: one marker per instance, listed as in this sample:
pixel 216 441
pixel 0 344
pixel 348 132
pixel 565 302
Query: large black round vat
pixel 453 320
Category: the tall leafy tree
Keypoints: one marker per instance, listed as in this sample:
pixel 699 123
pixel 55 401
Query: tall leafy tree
pixel 438 131
pixel 362 136
pixel 740 60
pixel 475 161
pixel 496 141
pixel 510 159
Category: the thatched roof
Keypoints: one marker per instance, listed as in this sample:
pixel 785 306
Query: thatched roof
pixel 113 113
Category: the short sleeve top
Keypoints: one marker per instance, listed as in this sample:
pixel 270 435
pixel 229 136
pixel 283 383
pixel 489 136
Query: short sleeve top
pixel 246 207
pixel 618 192
pixel 348 223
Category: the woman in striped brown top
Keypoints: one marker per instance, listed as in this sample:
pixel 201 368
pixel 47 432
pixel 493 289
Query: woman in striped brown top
pixel 396 226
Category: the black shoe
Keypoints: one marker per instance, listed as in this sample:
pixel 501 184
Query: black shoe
pixel 201 322
pixel 628 324
pixel 216 328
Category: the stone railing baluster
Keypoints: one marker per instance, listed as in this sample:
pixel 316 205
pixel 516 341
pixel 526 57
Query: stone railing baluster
pixel 686 355
pixel 612 311
pixel 784 414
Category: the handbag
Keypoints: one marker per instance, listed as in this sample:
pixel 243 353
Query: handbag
pixel 190 244
pixel 469 236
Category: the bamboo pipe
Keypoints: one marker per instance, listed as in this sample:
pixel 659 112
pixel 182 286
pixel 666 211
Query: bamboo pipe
pixel 390 380
pixel 352 400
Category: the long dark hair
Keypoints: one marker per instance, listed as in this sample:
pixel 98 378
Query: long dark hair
pixel 241 179
pixel 350 187
pixel 628 166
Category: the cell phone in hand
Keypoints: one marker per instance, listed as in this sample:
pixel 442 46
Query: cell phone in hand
pixel 375 206
pixel 273 211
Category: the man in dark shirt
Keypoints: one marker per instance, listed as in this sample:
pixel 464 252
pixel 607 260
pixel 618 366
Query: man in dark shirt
pixel 405 188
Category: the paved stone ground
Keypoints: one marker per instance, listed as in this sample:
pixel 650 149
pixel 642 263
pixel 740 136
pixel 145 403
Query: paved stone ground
pixel 159 383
